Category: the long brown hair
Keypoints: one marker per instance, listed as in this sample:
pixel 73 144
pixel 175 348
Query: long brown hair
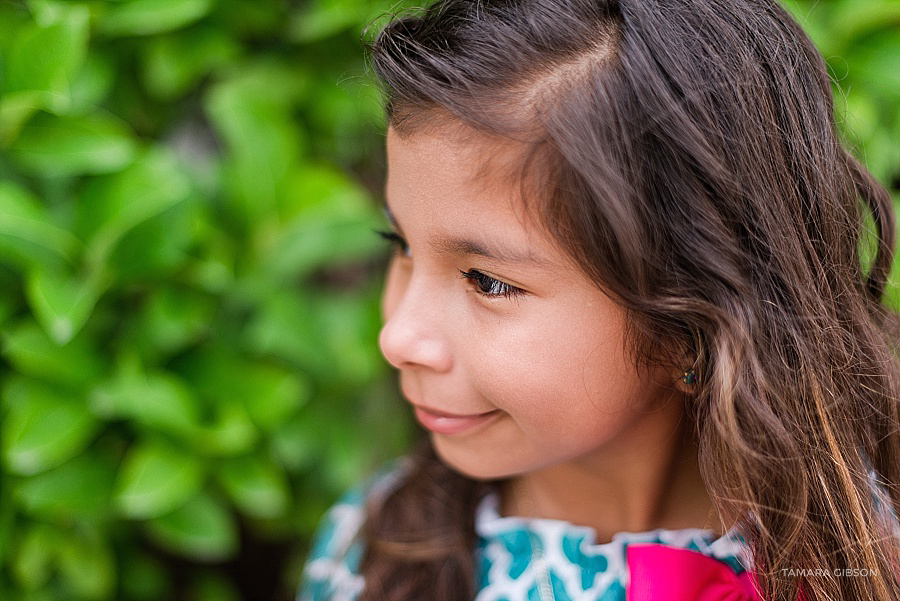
pixel 685 154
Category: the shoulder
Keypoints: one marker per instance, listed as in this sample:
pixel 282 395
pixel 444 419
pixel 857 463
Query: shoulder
pixel 332 566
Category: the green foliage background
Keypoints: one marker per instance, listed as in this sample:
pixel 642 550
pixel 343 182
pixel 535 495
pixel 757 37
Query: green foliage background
pixel 189 283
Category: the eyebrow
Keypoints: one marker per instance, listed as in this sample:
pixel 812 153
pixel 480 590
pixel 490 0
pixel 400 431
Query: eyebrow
pixel 467 247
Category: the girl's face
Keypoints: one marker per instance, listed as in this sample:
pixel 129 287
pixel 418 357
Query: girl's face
pixel 483 313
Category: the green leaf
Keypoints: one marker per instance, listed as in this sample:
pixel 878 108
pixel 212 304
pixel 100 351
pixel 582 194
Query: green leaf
pixel 213 587
pixel 32 562
pixel 15 110
pixel 81 487
pixel 8 513
pixel 317 193
pixel 155 479
pixel 158 247
pixel 158 401
pixel 45 57
pixel 27 238
pixel 143 578
pixel 307 245
pixel 28 347
pixel 269 393
pixel 272 394
pixel 92 83
pixel 87 566
pixel 8 307
pixel 321 19
pixel 203 529
pixel 55 146
pixel 854 19
pixel 295 443
pixel 145 17
pixel 63 302
pixel 172 319
pixel 173 64
pixel 112 206
pixel 282 328
pixel 326 220
pixel 253 114
pixel 43 428
pixel 892 293
pixel 231 432
pixel 257 486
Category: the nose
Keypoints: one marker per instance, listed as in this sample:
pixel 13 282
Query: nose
pixel 415 326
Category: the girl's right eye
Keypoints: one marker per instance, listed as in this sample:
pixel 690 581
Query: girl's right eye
pixel 396 240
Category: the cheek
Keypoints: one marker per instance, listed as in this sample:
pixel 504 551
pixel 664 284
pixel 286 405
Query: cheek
pixel 575 373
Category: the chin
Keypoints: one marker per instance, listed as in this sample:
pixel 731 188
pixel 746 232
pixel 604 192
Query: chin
pixel 475 465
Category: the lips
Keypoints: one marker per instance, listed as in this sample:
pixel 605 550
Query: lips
pixel 443 423
pixel 447 414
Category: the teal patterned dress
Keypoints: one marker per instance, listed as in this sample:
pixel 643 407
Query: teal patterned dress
pixel 514 555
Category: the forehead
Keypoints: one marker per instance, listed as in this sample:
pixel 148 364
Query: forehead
pixel 459 182
pixel 487 168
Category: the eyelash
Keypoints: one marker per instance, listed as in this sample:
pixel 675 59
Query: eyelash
pixel 481 280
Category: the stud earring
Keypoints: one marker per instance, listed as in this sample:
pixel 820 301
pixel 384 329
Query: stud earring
pixel 689 376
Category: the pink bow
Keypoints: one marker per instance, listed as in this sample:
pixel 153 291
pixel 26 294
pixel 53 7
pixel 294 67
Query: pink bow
pixel 663 573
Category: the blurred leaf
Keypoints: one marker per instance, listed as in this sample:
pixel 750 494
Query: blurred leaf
pixel 28 347
pixel 15 18
pixel 155 479
pixel 231 432
pixel 326 220
pixel 158 401
pixel 8 308
pixel 112 206
pixel 173 64
pixel 144 17
pixel 156 247
pixel 43 428
pixel 80 487
pixel 172 319
pixel 210 587
pixel 45 57
pixel 54 146
pixel 91 84
pixel 7 511
pixel 32 563
pixel 257 486
pixel 27 238
pixel 253 114
pixel 15 110
pixel 892 294
pixel 144 578
pixel 852 19
pixel 295 443
pixel 286 326
pixel 323 18
pixel 307 245
pixel 203 529
pixel 349 330
pixel 878 64
pixel 319 193
pixel 269 393
pixel 87 566
pixel 251 19
pixel 63 302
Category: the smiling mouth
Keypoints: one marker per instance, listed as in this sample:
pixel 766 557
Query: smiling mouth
pixel 453 415
pixel 453 424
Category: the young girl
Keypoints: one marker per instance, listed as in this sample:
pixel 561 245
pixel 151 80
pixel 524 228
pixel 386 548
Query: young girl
pixel 636 307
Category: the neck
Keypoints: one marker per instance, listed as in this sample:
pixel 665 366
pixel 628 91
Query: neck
pixel 651 480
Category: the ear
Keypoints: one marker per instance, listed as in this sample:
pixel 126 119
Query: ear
pixel 686 378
